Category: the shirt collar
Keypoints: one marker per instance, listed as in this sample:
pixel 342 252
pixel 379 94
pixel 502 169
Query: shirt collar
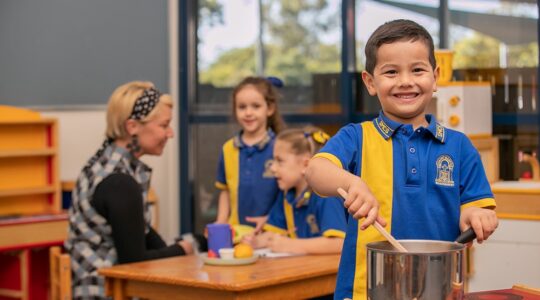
pixel 437 130
pixel 260 145
pixel 302 200
pixel 387 127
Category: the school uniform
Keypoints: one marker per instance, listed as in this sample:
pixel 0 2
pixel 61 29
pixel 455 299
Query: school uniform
pixel 307 216
pixel 244 171
pixel 422 179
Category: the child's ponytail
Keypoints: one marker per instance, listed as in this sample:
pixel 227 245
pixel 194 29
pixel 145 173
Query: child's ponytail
pixel 309 139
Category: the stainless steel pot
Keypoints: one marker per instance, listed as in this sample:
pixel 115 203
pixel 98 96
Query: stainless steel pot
pixel 430 270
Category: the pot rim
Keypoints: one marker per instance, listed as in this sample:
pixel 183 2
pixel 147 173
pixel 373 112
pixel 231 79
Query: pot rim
pixel 386 247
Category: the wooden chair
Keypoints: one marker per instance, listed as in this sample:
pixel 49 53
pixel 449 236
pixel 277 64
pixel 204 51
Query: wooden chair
pixel 60 271
pixel 154 207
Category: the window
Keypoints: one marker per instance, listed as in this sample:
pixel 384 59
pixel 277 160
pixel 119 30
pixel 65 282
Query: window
pixel 507 57
pixel 296 41
pixel 370 15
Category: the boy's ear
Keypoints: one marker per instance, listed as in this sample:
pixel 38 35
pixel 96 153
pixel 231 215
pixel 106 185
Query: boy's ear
pixel 369 82
pixel 436 73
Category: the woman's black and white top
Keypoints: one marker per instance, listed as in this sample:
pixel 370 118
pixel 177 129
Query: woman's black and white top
pixel 109 219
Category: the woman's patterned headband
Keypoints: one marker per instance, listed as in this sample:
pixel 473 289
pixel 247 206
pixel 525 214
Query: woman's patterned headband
pixel 145 103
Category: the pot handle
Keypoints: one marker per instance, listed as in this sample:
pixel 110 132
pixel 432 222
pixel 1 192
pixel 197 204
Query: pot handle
pixel 466 236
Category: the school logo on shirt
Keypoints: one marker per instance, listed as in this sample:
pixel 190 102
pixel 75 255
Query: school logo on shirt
pixel 312 222
pixel 445 169
pixel 267 172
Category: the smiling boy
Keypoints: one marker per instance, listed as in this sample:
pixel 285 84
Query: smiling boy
pixel 402 169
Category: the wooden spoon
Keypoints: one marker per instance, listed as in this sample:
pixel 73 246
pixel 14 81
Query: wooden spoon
pixel 379 227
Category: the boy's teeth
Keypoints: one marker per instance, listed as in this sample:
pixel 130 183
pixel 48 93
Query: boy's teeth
pixel 407 96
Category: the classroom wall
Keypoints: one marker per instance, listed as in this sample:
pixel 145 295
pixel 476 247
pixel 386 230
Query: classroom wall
pixel 63 58
pixel 510 256
pixel 75 52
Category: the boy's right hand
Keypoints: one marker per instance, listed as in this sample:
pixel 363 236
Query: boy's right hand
pixel 362 203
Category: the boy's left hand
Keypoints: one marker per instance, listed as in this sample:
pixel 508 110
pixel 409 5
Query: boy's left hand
pixel 483 221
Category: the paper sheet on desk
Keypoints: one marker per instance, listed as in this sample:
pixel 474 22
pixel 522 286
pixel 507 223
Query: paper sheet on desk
pixel 266 252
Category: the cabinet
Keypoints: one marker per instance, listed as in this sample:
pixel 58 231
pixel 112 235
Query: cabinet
pixel 30 210
pixel 464 106
pixel 510 255
pixel 29 181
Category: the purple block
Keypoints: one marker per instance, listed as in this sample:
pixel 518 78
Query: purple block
pixel 219 236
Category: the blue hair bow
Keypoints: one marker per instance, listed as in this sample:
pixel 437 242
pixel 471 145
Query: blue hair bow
pixel 275 81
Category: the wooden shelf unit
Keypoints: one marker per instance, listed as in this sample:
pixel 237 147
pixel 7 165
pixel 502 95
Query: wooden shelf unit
pixel 30 209
pixel 27 153
pixel 29 179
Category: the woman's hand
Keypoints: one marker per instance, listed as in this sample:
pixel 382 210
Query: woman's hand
pixel 187 246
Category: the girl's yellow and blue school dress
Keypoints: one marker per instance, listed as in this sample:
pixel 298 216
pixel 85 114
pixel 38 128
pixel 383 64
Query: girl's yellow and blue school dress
pixel 245 172
pixel 422 179
pixel 307 216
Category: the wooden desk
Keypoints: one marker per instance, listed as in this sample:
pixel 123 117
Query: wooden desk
pixel 33 231
pixel 187 277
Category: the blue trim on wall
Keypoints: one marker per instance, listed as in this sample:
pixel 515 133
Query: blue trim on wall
pixel 186 201
pixel 498 118
pixel 515 119
pixel 289 118
pixel 348 62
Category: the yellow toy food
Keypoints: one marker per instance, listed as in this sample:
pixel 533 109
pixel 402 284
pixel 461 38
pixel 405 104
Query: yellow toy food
pixel 239 231
pixel 243 251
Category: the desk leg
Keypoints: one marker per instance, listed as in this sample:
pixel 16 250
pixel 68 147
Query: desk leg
pixel 115 288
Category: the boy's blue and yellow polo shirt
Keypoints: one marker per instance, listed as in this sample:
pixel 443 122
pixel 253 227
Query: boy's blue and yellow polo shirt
pixel 307 216
pixel 245 172
pixel 422 179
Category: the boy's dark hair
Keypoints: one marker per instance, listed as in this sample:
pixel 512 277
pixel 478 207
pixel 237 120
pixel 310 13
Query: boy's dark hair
pixel 397 30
